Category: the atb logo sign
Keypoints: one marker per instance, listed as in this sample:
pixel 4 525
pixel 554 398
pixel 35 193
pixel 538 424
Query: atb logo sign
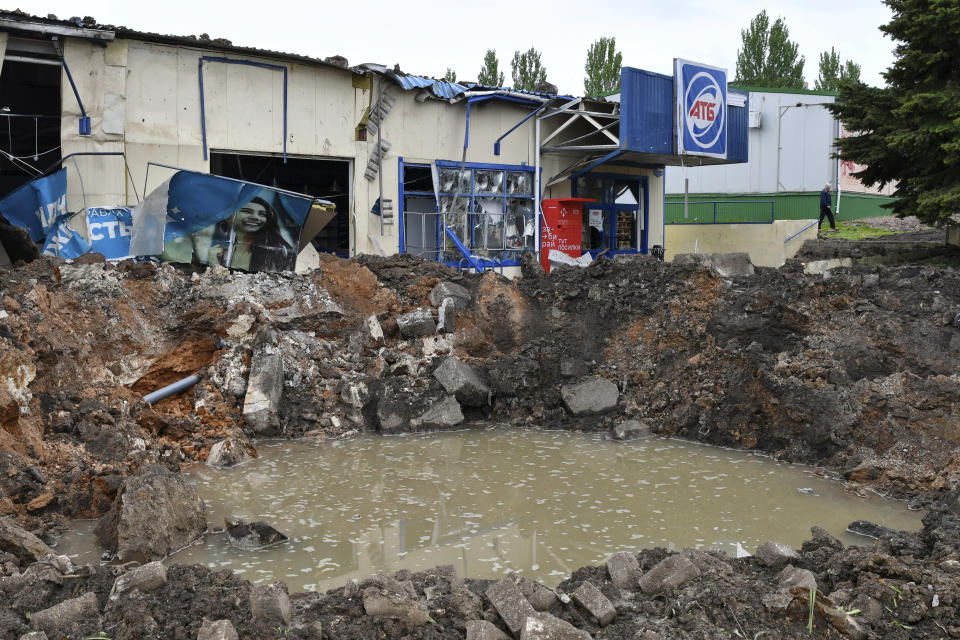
pixel 702 109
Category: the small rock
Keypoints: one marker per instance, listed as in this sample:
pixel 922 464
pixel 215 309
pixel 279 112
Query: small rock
pixel 34 635
pixel 418 322
pixel 446 317
pixel 443 414
pixel 510 604
pixel 217 630
pixel 624 570
pixel 843 623
pixel 776 554
pixel 270 604
pixel 20 542
pixel 594 395
pixel 669 573
pixel 777 601
pixel 543 626
pixel 791 576
pixel 146 578
pixel 229 452
pixel 590 598
pixel 374 330
pixel 253 535
pixel 631 429
pixel 460 296
pixel 483 630
pixel 58 619
pixel 460 380
pixel 869 529
pixel 385 603
pixel 541 598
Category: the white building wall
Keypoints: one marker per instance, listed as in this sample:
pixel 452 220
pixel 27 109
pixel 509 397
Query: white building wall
pixel 790 151
pixel 144 99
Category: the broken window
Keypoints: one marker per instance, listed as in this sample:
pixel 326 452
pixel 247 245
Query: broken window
pixel 318 177
pixel 488 208
pixel 616 222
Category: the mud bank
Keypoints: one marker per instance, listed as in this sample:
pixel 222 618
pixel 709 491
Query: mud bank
pixel 857 373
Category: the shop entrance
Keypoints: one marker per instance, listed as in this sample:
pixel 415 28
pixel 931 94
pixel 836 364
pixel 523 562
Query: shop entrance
pixel 321 178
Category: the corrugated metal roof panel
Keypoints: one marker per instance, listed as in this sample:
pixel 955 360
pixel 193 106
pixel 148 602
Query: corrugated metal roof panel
pixel 738 129
pixel 646 116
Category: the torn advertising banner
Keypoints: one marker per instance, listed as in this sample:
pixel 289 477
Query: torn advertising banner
pixel 65 242
pixel 203 219
pixel 38 205
pixel 108 231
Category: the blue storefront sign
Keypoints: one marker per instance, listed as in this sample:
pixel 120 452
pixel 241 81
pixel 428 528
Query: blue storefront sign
pixel 109 229
pixel 701 95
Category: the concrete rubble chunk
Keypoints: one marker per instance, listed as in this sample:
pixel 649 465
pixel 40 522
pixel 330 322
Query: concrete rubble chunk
pixel 270 604
pixel 152 516
pixel 543 626
pixel 18 541
pixel 460 296
pixel 624 570
pixel 418 322
pixel 483 630
pixel 669 573
pixel 593 395
pixel 374 330
pixel 146 578
pixel 446 317
pixel 776 554
pixel 34 635
pixel 589 597
pixel 791 576
pixel 443 414
pixel 541 598
pixel 631 429
pixel 559 258
pixel 230 451
pixel 261 406
pixel 390 604
pixel 217 630
pixel 57 620
pixel 460 380
pixel 510 604
pixel 725 264
pixel 776 601
pixel 252 535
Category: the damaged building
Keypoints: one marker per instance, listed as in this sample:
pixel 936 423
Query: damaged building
pixel 452 172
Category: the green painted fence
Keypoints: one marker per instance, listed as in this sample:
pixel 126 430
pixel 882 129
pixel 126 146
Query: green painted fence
pixel 786 206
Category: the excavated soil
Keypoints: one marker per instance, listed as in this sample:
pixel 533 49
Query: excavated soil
pixel 857 372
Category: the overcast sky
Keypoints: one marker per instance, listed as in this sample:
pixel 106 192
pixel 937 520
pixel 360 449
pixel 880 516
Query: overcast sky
pixel 425 38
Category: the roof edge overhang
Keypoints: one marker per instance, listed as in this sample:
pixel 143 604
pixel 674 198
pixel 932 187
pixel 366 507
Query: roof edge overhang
pixel 46 29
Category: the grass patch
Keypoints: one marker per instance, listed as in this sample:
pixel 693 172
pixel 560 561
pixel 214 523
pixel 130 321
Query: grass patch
pixel 853 231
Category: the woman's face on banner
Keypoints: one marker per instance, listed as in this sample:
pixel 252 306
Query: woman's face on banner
pixel 251 218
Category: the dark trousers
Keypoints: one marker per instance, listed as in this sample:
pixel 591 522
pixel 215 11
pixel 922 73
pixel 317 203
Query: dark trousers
pixel 825 211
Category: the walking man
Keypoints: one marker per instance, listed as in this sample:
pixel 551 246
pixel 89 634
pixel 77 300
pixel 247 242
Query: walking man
pixel 825 208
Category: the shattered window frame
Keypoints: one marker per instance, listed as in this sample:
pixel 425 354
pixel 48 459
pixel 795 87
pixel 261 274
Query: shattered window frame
pixel 613 211
pixel 492 210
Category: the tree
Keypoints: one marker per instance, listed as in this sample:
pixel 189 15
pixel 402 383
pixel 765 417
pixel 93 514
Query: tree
pixel 768 57
pixel 909 131
pixel 527 70
pixel 602 68
pixel 450 75
pixel 490 74
pixel 831 71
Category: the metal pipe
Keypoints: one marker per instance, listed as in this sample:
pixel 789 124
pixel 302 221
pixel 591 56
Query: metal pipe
pixel 536 188
pixel 496 144
pixel 170 389
pixel 52 63
pixel 380 116
pixel 789 238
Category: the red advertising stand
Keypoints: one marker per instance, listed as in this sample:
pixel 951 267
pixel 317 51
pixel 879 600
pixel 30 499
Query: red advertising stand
pixel 562 228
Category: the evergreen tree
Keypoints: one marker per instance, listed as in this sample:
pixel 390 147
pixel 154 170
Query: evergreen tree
pixel 832 72
pixel 527 70
pixel 768 57
pixel 490 74
pixel 909 131
pixel 602 68
pixel 450 75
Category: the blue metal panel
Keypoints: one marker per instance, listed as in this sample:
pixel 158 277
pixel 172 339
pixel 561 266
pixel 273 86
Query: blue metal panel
pixel 646 111
pixel 738 132
pixel 440 88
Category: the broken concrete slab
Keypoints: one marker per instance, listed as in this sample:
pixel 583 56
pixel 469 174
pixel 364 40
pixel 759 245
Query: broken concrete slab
pixel 460 296
pixel 417 323
pixel 543 626
pixel 460 380
pixel 510 604
pixel 484 630
pixel 270 604
pixel 669 573
pixel 446 317
pixel 589 597
pixel 631 429
pixel 591 396
pixel 776 554
pixel 624 570
pixel 444 414
pixel 261 406
pixel 540 597
pixel 18 541
pixel 724 264
pixel 58 619
pixel 145 579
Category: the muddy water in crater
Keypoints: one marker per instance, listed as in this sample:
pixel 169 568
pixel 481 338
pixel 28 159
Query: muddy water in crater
pixel 539 502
